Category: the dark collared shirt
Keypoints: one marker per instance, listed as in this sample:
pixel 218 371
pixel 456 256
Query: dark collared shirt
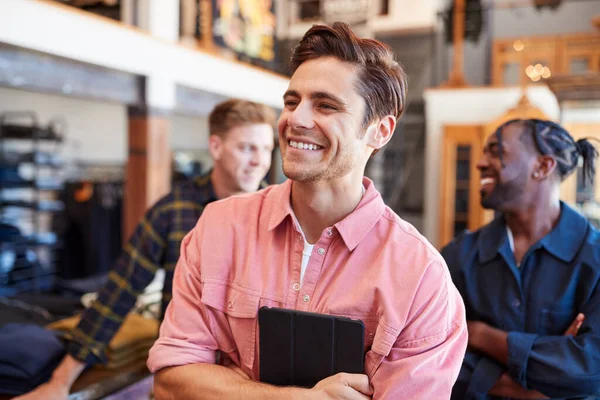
pixel 535 302
pixel 154 244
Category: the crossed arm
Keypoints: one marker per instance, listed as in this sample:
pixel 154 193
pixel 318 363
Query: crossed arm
pixel 493 342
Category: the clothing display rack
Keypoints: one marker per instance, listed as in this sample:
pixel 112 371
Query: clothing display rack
pixel 30 177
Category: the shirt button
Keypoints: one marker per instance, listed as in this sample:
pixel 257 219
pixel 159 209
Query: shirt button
pixel 321 251
pixel 306 298
pixel 330 232
pixel 230 304
pixel 298 239
pixel 516 303
pixel 296 286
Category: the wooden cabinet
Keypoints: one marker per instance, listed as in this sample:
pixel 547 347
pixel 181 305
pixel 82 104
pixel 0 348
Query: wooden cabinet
pixel 459 196
pixel 568 54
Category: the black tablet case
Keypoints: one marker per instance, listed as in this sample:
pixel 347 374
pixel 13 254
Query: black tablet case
pixel 300 348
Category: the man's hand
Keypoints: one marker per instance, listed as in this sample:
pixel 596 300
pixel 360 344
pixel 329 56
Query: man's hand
pixel 506 386
pixel 343 387
pixel 573 330
pixel 48 391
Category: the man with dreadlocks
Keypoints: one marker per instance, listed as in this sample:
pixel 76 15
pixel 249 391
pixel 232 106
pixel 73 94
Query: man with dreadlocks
pixel 530 279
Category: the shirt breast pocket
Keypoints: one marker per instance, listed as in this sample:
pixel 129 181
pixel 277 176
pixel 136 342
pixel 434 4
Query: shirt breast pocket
pixel 555 320
pixel 381 342
pixel 239 317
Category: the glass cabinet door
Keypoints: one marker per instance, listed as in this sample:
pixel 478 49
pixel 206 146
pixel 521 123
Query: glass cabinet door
pixel 459 195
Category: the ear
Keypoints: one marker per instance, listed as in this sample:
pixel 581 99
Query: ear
pixel 215 146
pixel 380 133
pixel 545 167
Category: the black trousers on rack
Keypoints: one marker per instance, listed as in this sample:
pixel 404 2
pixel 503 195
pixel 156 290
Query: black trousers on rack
pixel 90 229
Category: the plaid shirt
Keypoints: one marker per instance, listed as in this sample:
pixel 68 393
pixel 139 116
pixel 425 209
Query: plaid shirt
pixel 154 244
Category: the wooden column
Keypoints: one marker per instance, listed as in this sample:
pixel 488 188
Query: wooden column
pixel 148 176
pixel 457 75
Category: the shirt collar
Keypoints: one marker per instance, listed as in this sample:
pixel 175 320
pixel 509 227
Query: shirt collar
pixel 204 183
pixel 352 229
pixel 563 241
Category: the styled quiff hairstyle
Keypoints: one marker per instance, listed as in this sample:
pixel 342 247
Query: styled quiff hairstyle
pixel 235 112
pixel 381 80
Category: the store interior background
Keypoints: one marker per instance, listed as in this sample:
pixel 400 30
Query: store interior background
pixel 98 65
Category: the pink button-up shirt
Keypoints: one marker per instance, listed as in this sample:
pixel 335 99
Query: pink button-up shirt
pixel 245 253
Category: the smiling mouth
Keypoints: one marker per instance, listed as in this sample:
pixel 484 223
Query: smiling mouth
pixel 304 146
pixel 486 182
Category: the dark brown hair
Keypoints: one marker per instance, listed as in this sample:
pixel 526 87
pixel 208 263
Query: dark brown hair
pixel 235 112
pixel 381 80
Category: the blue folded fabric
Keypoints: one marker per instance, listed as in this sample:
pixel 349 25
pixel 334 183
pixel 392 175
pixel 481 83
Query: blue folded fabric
pixel 28 356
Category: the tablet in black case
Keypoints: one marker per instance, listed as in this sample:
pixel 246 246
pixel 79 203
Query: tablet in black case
pixel 300 348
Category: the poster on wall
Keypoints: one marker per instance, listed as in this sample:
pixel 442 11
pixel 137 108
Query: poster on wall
pixel 248 28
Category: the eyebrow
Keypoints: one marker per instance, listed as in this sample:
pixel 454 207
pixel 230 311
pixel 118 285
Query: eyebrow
pixel 317 95
pixel 491 146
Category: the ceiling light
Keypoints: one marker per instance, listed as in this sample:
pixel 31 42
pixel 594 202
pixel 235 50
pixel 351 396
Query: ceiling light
pixel 518 45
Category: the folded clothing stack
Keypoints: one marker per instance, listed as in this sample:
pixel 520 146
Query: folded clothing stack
pixel 131 343
pixel 28 356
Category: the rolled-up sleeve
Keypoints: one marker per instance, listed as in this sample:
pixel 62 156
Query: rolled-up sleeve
pixel 559 366
pixel 425 360
pixel 187 333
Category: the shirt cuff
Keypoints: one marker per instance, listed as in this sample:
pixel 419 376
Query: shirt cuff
pixel 168 352
pixel 484 377
pixel 85 354
pixel 519 348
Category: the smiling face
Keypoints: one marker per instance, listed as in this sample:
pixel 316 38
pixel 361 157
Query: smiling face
pixel 506 187
pixel 243 155
pixel 321 131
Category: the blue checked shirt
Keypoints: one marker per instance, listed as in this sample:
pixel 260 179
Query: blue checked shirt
pixel 154 244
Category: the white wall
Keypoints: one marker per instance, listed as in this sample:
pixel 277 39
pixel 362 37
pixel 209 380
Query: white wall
pixel 581 115
pixel 61 30
pixel 569 17
pixel 466 106
pixel 189 133
pixel 404 15
pixel 96 132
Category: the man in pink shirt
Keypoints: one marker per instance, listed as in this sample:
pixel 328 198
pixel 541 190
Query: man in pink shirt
pixel 321 242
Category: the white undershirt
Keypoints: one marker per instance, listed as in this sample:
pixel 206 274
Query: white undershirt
pixel 308 248
pixel 511 242
pixel 306 253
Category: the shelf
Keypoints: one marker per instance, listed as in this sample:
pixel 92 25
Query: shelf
pixel 22 132
pixel 462 184
pixel 461 217
pixel 43 205
pixel 44 282
pixel 26 184
pixel 41 159
pixel 31 242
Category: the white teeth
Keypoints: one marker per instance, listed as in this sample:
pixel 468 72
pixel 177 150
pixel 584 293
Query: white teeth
pixel 303 146
pixel 487 181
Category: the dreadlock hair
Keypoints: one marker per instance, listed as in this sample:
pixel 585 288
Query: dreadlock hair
pixel 552 139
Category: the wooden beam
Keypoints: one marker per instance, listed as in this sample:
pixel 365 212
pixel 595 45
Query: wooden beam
pixel 148 175
pixel 575 87
pixel 457 75
pixel 39 72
